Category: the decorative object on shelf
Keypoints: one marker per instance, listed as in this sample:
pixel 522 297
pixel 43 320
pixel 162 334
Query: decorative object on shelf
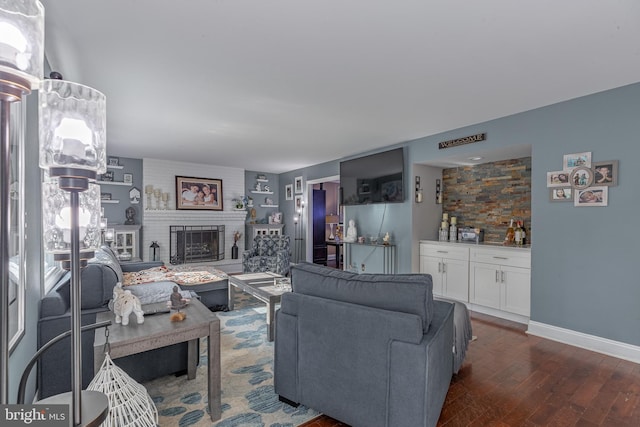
pixel 249 201
pixel 165 201
pixel 267 188
pixel 148 189
pixel 198 193
pixel 105 196
pixel 134 196
pixel 127 178
pixel 386 240
pixel 298 185
pixel 258 186
pixel 130 213
pixel 268 201
pixel 352 232
pixel 288 192
pixel 581 177
pixel 261 177
pixel 239 204
pixel 72 131
pixel 253 214
pixel 154 251
pixel 107 176
pixel 331 220
pixel 113 161
pixel 234 248
pixel 157 192
pixel 125 303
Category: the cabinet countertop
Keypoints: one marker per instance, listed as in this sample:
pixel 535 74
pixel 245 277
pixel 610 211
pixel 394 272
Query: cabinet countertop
pixel 481 244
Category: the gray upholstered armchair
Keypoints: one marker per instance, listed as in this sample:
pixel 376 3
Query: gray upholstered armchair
pixel 268 253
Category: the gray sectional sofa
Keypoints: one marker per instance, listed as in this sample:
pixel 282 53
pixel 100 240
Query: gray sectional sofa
pixel 368 350
pixel 98 280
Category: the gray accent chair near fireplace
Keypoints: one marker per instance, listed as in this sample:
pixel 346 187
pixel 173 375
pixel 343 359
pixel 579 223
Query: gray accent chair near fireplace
pixel 268 253
pixel 368 350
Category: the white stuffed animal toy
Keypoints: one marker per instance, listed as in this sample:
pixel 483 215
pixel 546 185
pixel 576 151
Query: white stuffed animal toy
pixel 124 303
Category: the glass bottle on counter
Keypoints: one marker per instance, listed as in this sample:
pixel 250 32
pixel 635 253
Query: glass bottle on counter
pixel 509 238
pixel 518 233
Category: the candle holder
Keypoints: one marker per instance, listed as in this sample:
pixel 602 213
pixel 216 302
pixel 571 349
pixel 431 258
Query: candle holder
pixel 158 193
pixel 165 201
pixel 149 192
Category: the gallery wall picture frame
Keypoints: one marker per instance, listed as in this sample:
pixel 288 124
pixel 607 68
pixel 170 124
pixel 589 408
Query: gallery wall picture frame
pixel 128 178
pixel 592 196
pixel 581 177
pixel 198 193
pixel 288 192
pixel 113 161
pixel 299 201
pixel 558 179
pixel 605 173
pixel 571 161
pixel 297 183
pixel 561 194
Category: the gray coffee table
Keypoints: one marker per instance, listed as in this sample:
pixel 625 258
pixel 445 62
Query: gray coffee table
pixel 260 286
pixel 158 331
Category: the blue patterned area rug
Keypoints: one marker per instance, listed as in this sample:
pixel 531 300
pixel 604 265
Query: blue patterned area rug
pixel 248 397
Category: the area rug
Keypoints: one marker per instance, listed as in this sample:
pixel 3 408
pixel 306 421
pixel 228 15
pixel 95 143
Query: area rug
pixel 248 397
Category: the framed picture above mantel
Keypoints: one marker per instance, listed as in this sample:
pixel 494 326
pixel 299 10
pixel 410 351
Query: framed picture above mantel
pixel 198 193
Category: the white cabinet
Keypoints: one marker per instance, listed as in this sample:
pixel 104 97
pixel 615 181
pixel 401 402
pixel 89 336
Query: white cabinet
pixel 500 278
pixel 448 266
pixel 126 242
pixel 265 230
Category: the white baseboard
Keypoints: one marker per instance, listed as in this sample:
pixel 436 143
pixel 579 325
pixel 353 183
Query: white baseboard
pixel 498 313
pixel 589 342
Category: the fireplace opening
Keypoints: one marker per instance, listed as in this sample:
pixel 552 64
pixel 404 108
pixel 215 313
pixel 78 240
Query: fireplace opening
pixel 196 243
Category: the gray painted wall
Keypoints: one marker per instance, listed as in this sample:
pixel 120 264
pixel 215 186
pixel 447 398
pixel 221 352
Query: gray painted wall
pixel 583 259
pixel 115 213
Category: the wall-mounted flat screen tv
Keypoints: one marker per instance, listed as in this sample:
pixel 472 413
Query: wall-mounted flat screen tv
pixel 376 178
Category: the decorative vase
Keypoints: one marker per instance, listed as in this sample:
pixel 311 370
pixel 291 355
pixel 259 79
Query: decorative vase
pixel 234 251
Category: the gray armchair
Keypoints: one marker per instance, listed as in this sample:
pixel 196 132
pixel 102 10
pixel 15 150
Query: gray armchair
pixel 268 253
pixel 369 350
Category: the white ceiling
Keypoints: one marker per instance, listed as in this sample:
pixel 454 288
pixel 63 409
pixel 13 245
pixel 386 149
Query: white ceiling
pixel 275 85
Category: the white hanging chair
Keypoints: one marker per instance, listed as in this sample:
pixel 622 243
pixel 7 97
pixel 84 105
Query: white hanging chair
pixel 129 402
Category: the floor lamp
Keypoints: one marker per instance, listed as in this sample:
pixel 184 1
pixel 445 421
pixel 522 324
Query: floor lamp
pixel 21 66
pixel 73 151
pixel 298 231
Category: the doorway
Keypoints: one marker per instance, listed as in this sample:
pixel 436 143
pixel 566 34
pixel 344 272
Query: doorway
pixel 319 227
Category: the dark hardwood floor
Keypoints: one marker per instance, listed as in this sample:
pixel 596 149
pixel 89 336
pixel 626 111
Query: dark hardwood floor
pixel 510 378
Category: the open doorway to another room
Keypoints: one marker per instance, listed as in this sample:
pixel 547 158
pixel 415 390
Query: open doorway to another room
pixel 325 217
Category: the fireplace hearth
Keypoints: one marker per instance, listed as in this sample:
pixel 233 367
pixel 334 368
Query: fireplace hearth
pixel 196 243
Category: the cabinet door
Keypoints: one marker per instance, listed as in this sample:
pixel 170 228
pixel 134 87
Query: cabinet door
pixel 516 290
pixel 485 285
pixel 433 266
pixel 456 279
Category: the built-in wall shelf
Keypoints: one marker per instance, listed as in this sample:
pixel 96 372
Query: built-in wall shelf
pixel 129 184
pixel 112 202
pixel 261 192
pixel 115 167
pixel 262 180
pixel 268 206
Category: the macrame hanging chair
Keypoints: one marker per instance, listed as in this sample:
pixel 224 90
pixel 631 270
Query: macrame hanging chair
pixel 129 403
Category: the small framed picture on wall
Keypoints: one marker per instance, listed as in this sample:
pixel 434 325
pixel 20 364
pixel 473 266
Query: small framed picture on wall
pixel 298 185
pixel 127 178
pixel 288 192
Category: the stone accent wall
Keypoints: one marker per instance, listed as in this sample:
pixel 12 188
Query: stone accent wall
pixel 489 195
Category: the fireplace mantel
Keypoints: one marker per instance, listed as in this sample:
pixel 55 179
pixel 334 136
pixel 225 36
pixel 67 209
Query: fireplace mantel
pixel 193 215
